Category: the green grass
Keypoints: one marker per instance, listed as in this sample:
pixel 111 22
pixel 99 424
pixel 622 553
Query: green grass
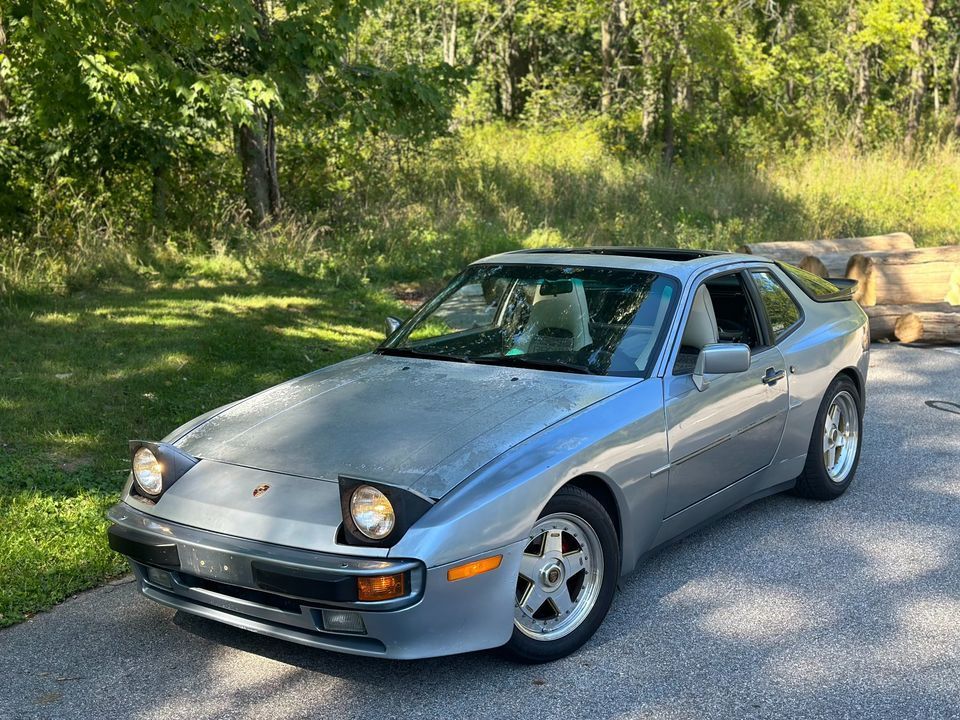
pixel 496 188
pixel 82 374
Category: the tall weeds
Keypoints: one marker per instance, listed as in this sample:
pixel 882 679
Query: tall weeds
pixel 495 188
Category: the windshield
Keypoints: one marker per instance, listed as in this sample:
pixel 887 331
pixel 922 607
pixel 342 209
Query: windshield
pixel 602 321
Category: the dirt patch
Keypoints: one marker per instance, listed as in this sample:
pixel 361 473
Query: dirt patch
pixel 414 294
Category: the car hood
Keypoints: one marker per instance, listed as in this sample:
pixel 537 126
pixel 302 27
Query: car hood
pixel 425 425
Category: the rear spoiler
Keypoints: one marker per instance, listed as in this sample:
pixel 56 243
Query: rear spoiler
pixel 845 290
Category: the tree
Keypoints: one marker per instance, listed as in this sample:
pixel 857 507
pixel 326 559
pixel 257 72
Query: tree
pixel 114 86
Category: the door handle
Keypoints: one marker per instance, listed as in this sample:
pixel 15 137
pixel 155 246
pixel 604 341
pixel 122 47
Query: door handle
pixel 772 376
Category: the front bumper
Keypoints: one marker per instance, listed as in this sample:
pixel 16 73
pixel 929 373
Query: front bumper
pixel 282 591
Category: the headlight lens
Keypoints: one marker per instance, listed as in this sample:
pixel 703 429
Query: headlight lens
pixel 372 512
pixel 147 471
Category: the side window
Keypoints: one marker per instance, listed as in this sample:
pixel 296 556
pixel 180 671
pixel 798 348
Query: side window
pixel 781 309
pixel 721 312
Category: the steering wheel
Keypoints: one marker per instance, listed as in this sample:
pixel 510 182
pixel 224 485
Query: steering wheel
pixel 731 331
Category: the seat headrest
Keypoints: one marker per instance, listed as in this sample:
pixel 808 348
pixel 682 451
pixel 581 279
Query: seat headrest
pixel 559 319
pixel 701 327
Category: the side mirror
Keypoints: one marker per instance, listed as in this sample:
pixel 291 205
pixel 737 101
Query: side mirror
pixel 720 359
pixel 392 325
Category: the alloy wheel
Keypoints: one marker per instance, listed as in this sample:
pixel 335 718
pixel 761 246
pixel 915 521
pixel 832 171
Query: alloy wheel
pixel 561 573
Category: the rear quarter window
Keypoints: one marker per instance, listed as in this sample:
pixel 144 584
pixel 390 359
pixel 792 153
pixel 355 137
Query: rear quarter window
pixel 813 285
pixel 782 311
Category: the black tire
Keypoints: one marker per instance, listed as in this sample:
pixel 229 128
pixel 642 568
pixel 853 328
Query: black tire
pixel 815 481
pixel 571 500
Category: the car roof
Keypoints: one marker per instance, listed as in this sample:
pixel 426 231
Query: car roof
pixel 678 262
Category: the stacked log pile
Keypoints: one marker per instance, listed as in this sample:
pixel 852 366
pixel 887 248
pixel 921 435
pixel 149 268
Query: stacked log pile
pixel 910 294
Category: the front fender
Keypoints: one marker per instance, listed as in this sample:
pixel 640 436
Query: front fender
pixel 620 441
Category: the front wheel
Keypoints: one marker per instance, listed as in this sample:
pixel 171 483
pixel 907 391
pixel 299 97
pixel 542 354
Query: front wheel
pixel 568 574
pixel 834 450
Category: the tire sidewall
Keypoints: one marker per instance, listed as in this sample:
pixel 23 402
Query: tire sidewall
pixel 831 487
pixel 574 501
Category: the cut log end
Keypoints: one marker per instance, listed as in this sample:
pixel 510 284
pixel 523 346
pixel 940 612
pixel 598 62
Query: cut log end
pixel 908 328
pixel 813 264
pixel 928 327
pixel 859 268
pixel 924 275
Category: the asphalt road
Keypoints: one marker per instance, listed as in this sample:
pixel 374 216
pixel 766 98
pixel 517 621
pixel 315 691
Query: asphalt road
pixel 787 608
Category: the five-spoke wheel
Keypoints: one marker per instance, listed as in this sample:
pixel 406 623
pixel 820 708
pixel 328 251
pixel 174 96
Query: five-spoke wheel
pixel 835 445
pixel 568 574
pixel 560 576
pixel 841 430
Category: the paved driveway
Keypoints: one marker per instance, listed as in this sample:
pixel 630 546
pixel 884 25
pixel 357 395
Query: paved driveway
pixel 787 608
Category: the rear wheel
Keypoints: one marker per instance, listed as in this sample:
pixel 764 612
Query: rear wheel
pixel 568 575
pixel 834 450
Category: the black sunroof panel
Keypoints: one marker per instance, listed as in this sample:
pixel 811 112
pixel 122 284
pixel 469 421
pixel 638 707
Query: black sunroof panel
pixel 628 251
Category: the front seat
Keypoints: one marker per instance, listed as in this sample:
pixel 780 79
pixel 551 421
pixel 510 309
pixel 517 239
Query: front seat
pixel 700 330
pixel 559 321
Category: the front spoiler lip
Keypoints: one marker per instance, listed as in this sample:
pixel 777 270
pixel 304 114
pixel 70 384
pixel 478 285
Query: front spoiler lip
pixel 321 579
pixel 445 618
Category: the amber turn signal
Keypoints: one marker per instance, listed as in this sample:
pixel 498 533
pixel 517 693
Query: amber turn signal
pixel 461 572
pixel 381 587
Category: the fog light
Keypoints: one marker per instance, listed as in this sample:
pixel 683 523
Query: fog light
pixel 381 587
pixel 159 577
pixel 343 621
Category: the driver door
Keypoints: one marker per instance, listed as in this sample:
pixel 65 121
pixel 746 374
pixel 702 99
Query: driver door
pixel 732 427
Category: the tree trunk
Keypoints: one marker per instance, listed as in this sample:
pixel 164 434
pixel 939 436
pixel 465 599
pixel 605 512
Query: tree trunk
pixel 859 68
pixel 925 275
pixel 918 79
pixel 883 318
pixel 507 52
pixel 506 78
pixel 861 97
pixel 606 56
pixel 159 191
pixel 4 103
pixel 257 146
pixel 649 91
pixel 252 148
pixel 514 65
pixel 271 162
pixel 666 113
pixel 929 326
pixel 918 88
pixel 449 31
pixel 794 252
pixel 789 29
pixel 615 31
pixel 954 102
pixel 936 88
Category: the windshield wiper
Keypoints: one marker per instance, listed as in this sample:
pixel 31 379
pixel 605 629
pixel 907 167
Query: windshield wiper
pixel 410 352
pixel 526 361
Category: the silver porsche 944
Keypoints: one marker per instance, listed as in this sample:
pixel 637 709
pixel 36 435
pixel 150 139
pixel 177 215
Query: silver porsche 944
pixel 525 439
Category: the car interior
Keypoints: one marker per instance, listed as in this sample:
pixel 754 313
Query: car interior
pixel 606 327
pixel 559 320
pixel 721 312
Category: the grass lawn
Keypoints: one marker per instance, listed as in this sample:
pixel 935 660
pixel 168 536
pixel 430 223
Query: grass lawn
pixel 82 374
